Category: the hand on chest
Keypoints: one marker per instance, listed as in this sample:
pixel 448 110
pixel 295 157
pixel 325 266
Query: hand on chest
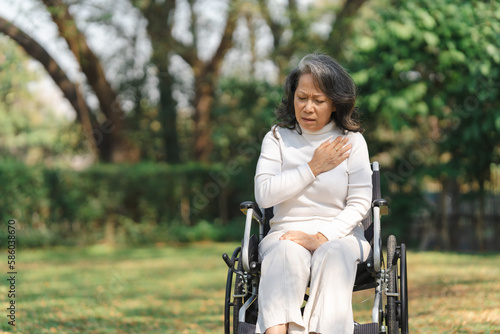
pixel 301 153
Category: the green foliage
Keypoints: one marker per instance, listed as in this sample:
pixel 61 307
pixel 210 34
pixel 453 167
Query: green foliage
pixel 428 75
pixel 135 204
pixel 424 59
pixel 30 131
pixel 243 115
pixel 23 191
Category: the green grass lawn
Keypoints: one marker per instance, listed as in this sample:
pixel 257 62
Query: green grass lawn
pixel 180 289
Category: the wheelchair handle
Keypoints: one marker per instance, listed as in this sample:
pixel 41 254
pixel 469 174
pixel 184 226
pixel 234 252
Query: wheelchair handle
pixel 396 257
pixel 257 213
pixel 246 240
pixel 227 260
pixel 230 264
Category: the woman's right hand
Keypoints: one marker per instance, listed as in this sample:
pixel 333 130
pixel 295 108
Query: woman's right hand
pixel 329 155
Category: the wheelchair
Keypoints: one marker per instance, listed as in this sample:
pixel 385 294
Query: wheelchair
pixel 387 276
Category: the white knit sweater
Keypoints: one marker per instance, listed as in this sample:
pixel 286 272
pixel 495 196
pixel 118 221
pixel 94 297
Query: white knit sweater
pixel 333 203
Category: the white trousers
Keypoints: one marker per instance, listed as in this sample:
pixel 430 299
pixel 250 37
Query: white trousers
pixel 285 273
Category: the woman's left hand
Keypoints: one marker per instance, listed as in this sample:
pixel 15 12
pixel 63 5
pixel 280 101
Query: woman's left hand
pixel 310 242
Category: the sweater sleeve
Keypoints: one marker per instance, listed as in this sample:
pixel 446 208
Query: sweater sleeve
pixel 272 185
pixel 359 192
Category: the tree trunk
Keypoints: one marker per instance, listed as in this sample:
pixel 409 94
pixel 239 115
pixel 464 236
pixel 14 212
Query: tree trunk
pixel 342 27
pixel 206 79
pixel 203 103
pixel 437 234
pixel 479 228
pixel 206 74
pixel 444 237
pixel 168 117
pixel 159 30
pixel 454 224
pixel 113 145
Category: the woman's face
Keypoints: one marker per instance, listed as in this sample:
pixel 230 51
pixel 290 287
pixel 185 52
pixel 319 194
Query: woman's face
pixel 313 109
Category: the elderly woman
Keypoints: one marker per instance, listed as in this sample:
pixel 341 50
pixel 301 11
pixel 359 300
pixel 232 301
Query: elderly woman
pixel 315 171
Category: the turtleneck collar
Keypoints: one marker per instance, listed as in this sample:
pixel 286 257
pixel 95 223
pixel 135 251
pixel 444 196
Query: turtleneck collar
pixel 329 127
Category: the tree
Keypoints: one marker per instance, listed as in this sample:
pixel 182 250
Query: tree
pixel 206 73
pixel 70 90
pixel 108 135
pixel 114 146
pixel 159 28
pixel 429 69
pixel 31 131
pixel 294 33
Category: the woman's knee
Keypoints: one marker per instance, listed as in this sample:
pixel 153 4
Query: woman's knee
pixel 332 252
pixel 293 252
pixel 290 255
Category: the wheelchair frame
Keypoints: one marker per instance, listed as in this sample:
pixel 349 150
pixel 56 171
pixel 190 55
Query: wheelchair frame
pixel 389 279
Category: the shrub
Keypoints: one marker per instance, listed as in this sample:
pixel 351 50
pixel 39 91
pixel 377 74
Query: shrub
pixel 119 203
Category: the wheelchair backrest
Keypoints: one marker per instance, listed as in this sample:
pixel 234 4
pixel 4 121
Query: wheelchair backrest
pixel 376 194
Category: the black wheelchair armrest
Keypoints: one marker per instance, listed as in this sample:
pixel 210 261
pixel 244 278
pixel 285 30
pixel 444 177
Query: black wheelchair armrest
pixel 382 204
pixel 257 214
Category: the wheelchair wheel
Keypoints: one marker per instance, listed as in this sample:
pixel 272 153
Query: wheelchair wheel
pixel 235 299
pixel 229 294
pixel 238 301
pixel 392 301
pixel 403 281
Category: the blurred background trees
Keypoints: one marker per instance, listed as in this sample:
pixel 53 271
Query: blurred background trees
pixel 169 100
pixel 430 71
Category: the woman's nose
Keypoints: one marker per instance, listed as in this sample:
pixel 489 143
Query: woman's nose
pixel 309 107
